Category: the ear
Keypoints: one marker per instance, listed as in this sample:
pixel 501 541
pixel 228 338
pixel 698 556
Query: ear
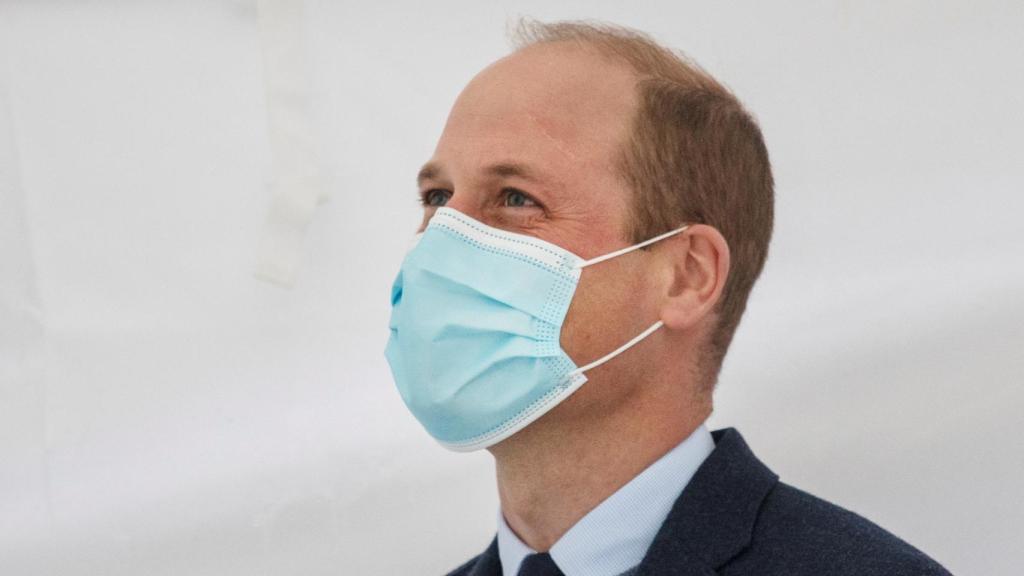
pixel 695 267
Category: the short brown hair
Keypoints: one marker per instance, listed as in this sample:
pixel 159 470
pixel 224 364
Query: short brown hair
pixel 694 155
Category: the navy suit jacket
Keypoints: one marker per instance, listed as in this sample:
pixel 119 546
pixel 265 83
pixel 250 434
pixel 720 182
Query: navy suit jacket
pixel 735 518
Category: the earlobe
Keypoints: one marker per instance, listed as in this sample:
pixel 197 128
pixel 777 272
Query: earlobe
pixel 697 265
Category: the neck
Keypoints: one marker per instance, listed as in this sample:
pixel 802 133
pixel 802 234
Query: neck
pixel 555 471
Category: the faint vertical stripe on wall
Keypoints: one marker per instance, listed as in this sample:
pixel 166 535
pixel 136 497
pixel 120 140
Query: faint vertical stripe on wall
pixel 26 516
pixel 297 182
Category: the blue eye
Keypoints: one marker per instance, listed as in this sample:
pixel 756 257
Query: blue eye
pixel 436 198
pixel 517 199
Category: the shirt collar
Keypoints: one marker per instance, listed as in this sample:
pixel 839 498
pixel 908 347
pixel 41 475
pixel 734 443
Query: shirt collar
pixel 614 536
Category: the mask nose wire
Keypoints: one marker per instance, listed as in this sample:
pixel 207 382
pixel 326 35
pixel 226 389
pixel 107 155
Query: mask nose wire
pixel 628 249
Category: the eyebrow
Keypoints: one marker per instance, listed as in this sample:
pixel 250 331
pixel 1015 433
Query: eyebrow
pixel 429 171
pixel 432 171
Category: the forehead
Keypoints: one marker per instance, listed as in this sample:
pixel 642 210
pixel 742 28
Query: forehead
pixel 547 104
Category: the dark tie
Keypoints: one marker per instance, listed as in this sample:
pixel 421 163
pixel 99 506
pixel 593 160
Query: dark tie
pixel 539 565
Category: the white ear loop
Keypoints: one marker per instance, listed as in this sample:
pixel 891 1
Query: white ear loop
pixel 629 249
pixel 652 328
pixel 619 350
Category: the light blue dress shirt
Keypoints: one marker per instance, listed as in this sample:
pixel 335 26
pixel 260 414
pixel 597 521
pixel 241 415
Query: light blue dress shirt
pixel 613 537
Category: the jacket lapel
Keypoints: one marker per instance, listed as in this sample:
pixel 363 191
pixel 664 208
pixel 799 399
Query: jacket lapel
pixel 488 563
pixel 713 519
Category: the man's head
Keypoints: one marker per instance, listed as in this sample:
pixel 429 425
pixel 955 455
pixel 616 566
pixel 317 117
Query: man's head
pixel 594 138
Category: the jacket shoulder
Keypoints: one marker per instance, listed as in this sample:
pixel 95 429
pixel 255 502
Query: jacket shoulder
pixel 796 529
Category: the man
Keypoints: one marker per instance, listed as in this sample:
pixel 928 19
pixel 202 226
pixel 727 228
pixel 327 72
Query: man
pixel 597 211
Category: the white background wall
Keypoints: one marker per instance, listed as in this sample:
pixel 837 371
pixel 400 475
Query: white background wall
pixel 164 412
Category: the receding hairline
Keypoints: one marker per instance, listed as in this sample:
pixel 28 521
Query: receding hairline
pixel 646 56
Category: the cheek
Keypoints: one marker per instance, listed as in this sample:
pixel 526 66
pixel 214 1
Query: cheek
pixel 611 305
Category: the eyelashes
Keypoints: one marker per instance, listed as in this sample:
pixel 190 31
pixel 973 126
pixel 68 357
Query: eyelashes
pixel 434 198
pixel 510 198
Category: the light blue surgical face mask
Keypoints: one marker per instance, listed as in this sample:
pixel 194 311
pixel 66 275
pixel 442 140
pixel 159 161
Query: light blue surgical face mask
pixel 475 324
